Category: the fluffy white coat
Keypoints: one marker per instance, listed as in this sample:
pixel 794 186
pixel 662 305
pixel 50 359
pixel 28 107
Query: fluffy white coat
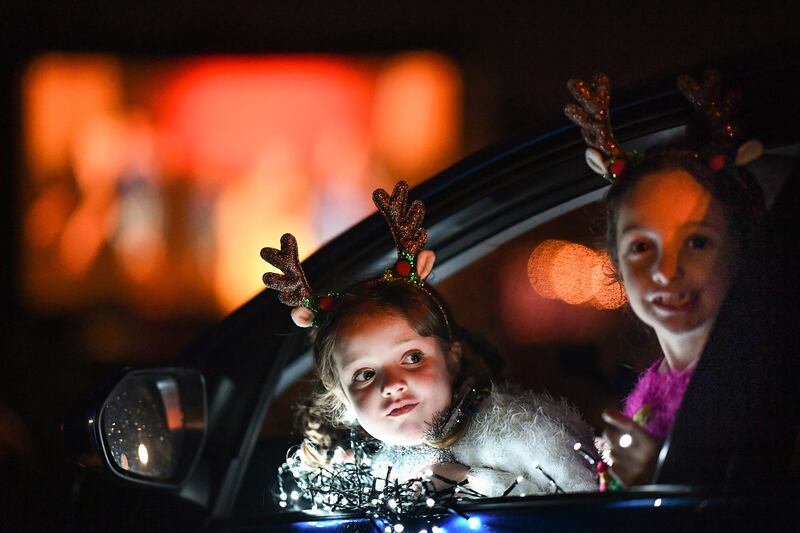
pixel 512 433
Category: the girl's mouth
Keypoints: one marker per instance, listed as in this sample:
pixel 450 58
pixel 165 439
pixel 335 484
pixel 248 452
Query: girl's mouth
pixel 403 409
pixel 675 302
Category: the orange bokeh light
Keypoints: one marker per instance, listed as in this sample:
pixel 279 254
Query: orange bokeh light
pixel 574 274
pixel 62 93
pixel 223 112
pixel 416 114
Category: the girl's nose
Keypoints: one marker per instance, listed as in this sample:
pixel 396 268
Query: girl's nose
pixel 667 268
pixel 393 385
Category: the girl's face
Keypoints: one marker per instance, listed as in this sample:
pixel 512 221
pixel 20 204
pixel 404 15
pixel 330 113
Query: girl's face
pixel 675 255
pixel 394 380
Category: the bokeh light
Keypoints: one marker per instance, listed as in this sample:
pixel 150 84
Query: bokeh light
pixel 575 274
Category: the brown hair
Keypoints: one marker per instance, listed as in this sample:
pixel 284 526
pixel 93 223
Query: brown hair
pixel 736 190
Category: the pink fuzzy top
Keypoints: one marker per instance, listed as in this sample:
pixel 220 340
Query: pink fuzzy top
pixel 663 392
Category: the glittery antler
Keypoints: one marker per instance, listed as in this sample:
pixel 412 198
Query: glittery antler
pixel 720 112
pixel 723 116
pixel 405 223
pixel 292 286
pixel 592 115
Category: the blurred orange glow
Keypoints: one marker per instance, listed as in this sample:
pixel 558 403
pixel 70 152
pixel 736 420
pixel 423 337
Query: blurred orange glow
pixel 83 236
pixel 62 92
pixel 574 274
pixel 417 110
pixel 158 183
pixel 226 111
pixel 46 216
pixel 571 273
pixel 174 416
pixel 526 316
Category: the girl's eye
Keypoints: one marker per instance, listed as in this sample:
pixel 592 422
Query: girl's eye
pixel 638 247
pixel 362 376
pixel 413 357
pixel 698 242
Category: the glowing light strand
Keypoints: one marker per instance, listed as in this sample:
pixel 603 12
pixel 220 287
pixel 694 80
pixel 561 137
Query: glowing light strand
pixel 356 486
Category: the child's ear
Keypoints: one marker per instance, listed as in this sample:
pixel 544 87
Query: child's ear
pixel 302 317
pixel 425 261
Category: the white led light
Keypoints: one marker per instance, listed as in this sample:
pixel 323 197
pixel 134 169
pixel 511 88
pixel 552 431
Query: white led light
pixel 294 495
pixel 398 528
pixel 657 503
pixel 143 455
pixel 283 496
pixel 474 522
pixel 519 479
pixel 429 473
pixel 429 502
pixel 393 503
pixel 282 504
pixel 625 440
pixel 577 446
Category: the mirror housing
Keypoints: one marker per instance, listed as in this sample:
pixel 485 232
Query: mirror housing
pixel 151 427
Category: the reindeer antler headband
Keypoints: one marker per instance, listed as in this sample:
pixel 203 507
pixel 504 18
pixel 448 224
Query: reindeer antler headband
pixel 604 154
pixel 413 264
pixel 405 223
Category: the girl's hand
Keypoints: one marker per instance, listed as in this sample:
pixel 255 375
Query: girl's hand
pixel 454 472
pixel 634 451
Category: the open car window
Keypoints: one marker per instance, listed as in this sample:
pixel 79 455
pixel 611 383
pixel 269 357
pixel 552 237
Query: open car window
pixel 545 299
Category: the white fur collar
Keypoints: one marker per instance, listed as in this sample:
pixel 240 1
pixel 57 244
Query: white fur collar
pixel 515 434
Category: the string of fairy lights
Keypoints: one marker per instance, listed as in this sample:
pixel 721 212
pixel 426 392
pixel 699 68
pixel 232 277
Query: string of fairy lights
pixel 360 486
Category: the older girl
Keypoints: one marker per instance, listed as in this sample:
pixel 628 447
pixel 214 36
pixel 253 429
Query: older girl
pixel 679 218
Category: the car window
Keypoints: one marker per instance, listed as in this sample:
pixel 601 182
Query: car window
pixel 524 298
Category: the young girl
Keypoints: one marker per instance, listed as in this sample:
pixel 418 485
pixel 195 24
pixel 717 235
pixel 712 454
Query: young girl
pixel 390 360
pixel 679 218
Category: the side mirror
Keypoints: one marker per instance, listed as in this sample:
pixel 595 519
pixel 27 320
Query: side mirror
pixel 152 425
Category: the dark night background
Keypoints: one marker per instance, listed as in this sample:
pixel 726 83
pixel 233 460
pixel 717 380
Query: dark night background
pixel 515 58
